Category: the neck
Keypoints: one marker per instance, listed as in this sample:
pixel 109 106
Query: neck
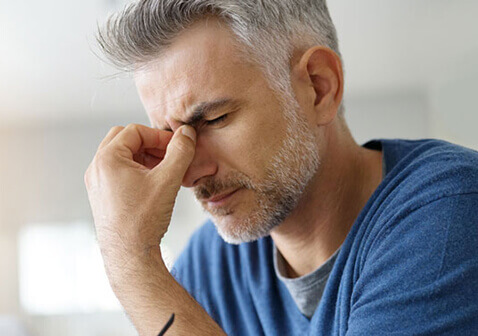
pixel 346 179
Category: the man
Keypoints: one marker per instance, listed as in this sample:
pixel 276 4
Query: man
pixel 311 234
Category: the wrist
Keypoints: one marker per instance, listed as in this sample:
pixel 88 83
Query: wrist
pixel 127 267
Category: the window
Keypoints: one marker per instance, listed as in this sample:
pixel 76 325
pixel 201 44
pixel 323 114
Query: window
pixel 61 270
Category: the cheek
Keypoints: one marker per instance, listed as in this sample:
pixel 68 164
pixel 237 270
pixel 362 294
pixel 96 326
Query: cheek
pixel 246 147
pixel 266 138
pixel 231 148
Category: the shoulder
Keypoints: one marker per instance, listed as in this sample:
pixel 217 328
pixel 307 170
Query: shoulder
pixel 418 242
pixel 425 261
pixel 430 184
pixel 420 172
pixel 435 165
pixel 422 222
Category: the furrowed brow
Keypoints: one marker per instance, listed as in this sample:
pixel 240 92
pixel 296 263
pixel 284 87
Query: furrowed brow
pixel 204 109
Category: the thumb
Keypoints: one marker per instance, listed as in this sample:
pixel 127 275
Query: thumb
pixel 179 155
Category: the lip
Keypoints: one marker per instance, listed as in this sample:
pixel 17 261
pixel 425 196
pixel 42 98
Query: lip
pixel 216 200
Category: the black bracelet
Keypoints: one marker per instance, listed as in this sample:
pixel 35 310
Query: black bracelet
pixel 167 325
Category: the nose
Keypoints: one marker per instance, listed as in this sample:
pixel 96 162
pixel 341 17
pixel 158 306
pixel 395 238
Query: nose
pixel 203 165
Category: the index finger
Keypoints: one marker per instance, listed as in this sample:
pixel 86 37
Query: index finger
pixel 110 136
pixel 136 136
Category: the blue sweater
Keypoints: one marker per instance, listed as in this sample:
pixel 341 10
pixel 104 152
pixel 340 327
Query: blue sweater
pixel 409 265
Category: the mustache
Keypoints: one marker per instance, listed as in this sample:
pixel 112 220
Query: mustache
pixel 215 186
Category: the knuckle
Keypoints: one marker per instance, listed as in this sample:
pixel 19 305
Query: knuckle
pixel 134 127
pixel 89 176
pixel 115 129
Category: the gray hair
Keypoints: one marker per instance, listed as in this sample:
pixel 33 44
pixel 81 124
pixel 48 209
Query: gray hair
pixel 270 31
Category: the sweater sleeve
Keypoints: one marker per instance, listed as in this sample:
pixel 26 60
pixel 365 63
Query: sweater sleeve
pixel 420 276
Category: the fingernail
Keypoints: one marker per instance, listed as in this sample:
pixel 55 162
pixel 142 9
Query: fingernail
pixel 189 132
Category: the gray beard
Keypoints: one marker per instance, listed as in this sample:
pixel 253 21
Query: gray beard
pixel 287 177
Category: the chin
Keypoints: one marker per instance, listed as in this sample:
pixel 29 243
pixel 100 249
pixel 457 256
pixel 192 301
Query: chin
pixel 235 229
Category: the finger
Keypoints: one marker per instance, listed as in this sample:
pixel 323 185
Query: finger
pixel 151 161
pixel 110 135
pixel 179 155
pixel 135 137
pixel 150 157
pixel 156 152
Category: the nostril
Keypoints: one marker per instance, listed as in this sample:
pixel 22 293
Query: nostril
pixel 195 183
pixel 190 181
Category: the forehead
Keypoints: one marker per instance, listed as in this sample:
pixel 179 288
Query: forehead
pixel 202 64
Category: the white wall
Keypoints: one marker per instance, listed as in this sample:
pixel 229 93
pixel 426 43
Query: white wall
pixel 388 115
pixel 453 102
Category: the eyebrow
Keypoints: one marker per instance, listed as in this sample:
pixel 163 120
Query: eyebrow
pixel 202 110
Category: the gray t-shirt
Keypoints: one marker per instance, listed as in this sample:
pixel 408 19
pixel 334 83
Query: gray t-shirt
pixel 305 290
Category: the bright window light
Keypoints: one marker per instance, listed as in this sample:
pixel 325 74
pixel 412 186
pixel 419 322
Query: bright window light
pixel 61 270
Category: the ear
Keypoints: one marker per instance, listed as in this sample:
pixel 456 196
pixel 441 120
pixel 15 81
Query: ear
pixel 320 70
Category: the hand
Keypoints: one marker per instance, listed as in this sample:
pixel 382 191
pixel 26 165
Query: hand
pixel 132 185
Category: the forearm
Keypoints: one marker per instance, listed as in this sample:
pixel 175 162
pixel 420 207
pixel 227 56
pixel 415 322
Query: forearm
pixel 132 201
pixel 149 295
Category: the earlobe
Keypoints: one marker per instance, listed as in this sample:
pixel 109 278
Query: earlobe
pixel 324 73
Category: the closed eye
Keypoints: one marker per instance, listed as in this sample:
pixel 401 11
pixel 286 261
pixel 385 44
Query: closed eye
pixel 217 120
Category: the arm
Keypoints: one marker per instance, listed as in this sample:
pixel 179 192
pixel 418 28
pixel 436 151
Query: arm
pixel 132 185
pixel 149 295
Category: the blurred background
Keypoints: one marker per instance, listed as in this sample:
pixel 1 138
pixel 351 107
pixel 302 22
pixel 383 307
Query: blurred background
pixel 411 72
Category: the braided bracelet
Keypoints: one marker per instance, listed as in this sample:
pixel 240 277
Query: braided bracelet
pixel 167 325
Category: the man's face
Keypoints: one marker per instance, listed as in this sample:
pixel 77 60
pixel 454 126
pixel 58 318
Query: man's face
pixel 254 156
